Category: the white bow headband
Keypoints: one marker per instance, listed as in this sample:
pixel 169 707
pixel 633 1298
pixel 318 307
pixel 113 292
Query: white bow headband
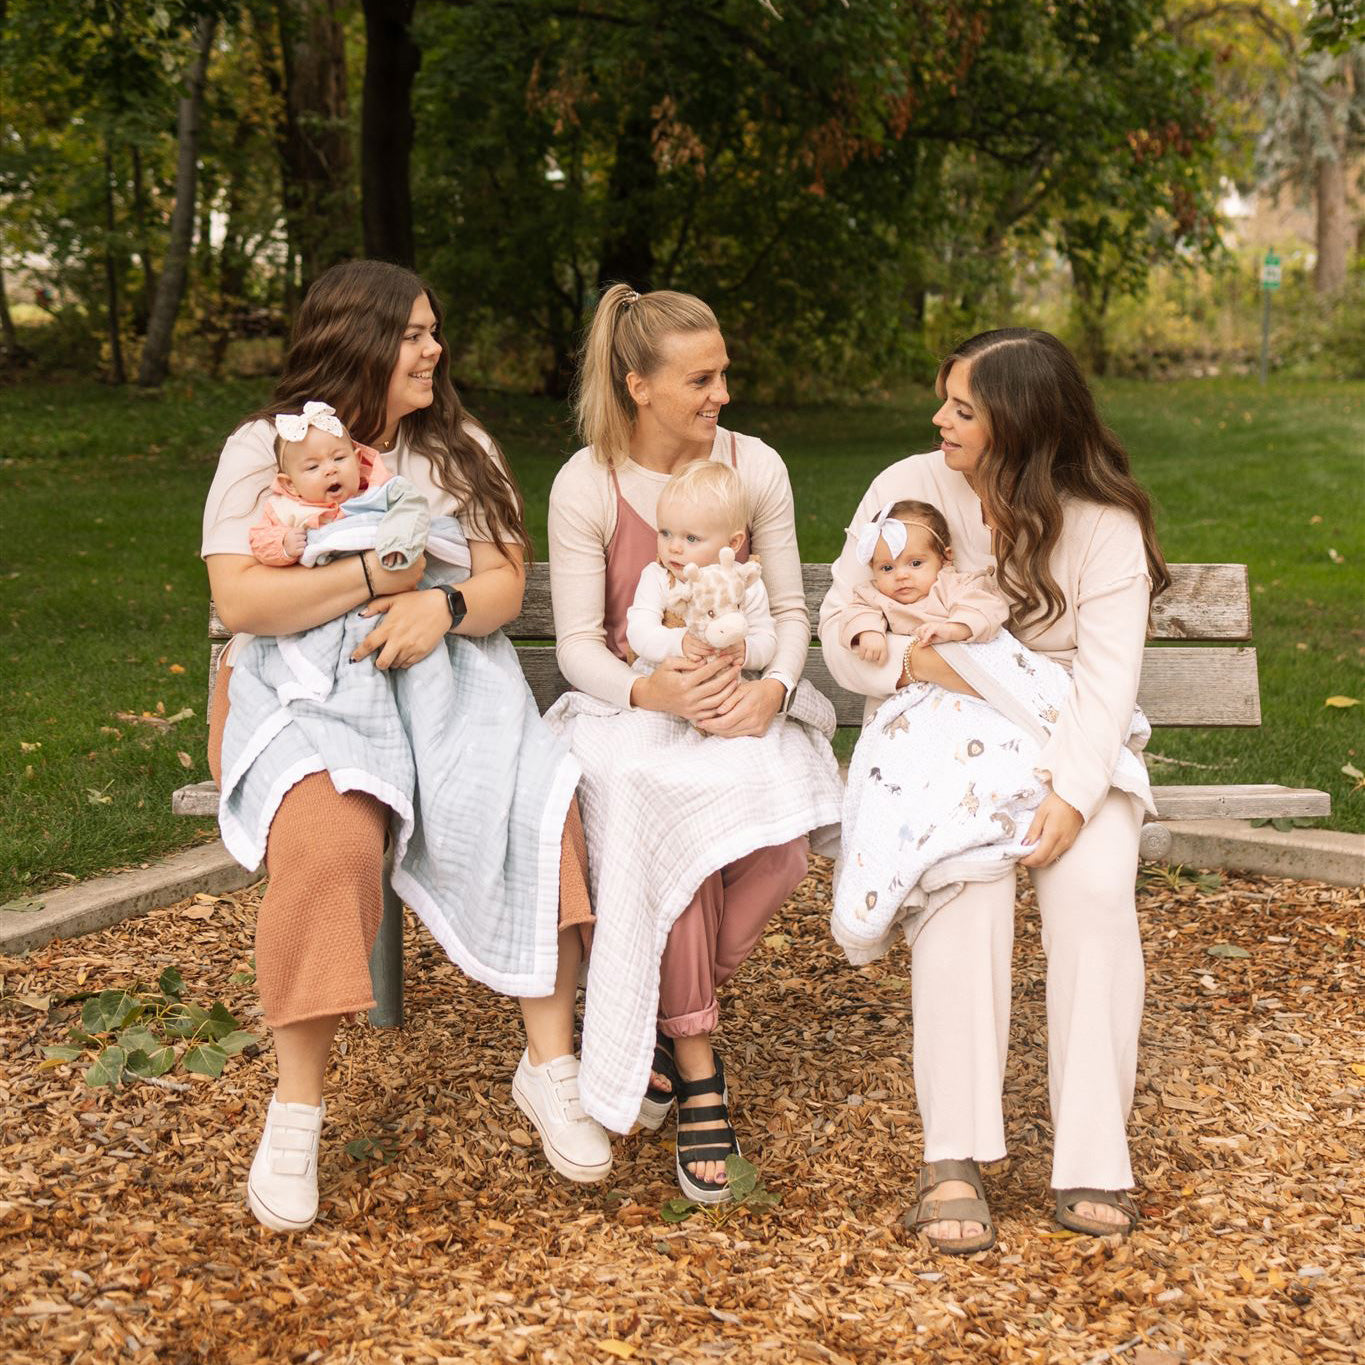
pixel 890 529
pixel 293 426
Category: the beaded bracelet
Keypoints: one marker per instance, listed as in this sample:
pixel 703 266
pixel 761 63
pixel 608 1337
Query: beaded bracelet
pixel 907 664
pixel 365 569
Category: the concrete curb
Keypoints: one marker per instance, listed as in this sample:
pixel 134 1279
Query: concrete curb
pixel 1305 854
pixel 1319 855
pixel 70 911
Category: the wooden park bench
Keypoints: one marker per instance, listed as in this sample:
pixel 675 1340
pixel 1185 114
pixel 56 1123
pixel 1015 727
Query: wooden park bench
pixel 1182 685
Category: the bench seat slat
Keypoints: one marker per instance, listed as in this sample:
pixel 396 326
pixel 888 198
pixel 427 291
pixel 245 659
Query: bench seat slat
pixel 1250 802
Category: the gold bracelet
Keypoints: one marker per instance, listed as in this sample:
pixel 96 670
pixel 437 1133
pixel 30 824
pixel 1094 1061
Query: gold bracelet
pixel 907 664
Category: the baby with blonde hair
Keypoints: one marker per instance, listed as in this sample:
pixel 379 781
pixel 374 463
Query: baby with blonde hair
pixel 701 511
pixel 914 589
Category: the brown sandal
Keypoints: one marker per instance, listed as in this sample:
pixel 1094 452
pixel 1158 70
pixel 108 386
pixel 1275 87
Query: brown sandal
pixel 933 1174
pixel 1121 1200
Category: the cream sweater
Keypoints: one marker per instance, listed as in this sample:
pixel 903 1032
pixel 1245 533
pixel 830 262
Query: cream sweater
pixel 583 519
pixel 1100 564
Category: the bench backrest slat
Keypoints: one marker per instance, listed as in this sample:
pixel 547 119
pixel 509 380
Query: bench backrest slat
pixel 1180 686
pixel 1204 602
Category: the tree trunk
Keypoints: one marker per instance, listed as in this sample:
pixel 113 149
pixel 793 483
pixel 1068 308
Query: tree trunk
pixel 1091 304
pixel 386 130
pixel 316 146
pixel 142 307
pixel 11 352
pixel 628 243
pixel 1334 225
pixel 117 374
pixel 170 288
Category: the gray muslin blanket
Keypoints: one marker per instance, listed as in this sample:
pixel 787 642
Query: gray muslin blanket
pixel 477 785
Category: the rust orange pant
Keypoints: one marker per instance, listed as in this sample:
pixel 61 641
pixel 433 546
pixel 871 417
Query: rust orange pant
pixel 325 897
pixel 718 931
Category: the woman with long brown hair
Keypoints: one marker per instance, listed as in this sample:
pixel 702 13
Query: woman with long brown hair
pixel 1034 485
pixel 368 341
pixel 699 785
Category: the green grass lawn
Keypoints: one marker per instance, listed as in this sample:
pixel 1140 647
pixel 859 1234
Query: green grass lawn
pixel 103 597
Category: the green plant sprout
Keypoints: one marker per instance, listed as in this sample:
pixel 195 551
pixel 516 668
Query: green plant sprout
pixel 747 1191
pixel 134 1035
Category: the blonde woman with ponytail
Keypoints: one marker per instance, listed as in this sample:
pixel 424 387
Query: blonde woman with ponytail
pixel 1034 485
pixel 700 785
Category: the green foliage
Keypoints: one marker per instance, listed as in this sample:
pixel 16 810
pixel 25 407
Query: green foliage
pixel 133 1035
pixel 379 1150
pixel 814 176
pixel 1172 876
pixel 747 1191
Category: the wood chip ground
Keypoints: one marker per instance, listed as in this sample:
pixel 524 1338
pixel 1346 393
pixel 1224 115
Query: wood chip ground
pixel 124 1235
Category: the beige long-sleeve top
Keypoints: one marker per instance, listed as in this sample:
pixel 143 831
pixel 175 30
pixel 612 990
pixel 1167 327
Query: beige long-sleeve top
pixel 1101 566
pixel 964 599
pixel 583 520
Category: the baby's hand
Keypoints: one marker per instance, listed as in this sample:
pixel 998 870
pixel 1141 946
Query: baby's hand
pixel 393 560
pixel 939 632
pixel 695 649
pixel 294 541
pixel 871 646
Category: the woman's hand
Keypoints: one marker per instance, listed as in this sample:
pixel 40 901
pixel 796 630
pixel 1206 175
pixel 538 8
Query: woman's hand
pixel 928 667
pixel 749 711
pixel 411 626
pixel 692 691
pixel 1054 830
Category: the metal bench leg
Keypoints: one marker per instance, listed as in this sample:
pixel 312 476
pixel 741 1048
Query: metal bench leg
pixel 1154 843
pixel 386 963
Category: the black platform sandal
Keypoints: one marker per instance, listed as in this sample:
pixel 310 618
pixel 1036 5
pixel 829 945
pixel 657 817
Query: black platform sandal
pixel 657 1102
pixel 710 1144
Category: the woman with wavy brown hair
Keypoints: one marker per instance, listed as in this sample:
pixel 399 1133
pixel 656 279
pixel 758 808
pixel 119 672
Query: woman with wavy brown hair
pixel 1035 486
pixel 368 341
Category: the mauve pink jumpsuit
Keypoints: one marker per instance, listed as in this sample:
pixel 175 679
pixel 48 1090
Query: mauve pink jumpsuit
pixel 723 921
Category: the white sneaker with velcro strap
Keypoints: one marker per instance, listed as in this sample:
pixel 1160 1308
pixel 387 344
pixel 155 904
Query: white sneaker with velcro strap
pixel 575 1145
pixel 282 1188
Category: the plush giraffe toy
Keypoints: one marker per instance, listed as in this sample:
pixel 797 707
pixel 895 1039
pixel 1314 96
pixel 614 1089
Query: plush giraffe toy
pixel 710 599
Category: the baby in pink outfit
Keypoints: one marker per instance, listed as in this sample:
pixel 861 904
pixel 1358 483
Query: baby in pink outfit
pixel 913 589
pixel 320 468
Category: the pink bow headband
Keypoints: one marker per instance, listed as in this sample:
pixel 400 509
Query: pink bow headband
pixel 890 529
pixel 293 426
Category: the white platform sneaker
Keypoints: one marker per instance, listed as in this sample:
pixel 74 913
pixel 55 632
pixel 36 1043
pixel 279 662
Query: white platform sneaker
pixel 575 1145
pixel 282 1188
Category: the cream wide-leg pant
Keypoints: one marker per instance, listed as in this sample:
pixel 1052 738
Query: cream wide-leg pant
pixel 961 1000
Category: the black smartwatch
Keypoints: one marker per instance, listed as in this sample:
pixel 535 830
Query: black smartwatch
pixel 455 601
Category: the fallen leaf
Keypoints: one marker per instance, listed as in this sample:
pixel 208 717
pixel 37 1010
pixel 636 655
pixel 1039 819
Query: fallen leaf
pixel 29 748
pixel 1226 950
pixel 623 1350
pixel 1340 701
pixel 185 760
pixel 177 668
